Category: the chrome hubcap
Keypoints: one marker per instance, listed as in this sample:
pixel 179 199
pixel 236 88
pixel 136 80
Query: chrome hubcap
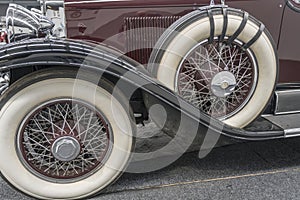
pixel 223 84
pixel 65 148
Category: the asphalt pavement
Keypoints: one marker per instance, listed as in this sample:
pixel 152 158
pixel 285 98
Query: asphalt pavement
pixel 252 170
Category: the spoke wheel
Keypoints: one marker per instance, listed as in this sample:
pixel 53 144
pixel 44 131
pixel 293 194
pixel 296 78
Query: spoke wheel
pixel 64 140
pixel 217 78
pixel 64 137
pixel 228 70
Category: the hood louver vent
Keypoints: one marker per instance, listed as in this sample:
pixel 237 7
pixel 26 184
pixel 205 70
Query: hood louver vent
pixel 142 33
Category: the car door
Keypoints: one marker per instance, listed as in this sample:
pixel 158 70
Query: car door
pixel 289 43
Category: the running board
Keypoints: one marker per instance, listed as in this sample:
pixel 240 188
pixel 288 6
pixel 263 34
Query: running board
pixel 289 123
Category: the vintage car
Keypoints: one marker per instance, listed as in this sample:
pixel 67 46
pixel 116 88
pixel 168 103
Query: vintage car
pixel 77 76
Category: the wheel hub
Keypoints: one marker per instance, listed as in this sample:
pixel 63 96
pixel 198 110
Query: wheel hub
pixel 66 148
pixel 223 84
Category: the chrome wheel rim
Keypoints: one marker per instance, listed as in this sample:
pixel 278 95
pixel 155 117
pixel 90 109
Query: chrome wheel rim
pixel 217 78
pixel 64 140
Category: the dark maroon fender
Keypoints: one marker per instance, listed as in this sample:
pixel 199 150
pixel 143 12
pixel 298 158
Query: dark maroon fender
pixel 127 74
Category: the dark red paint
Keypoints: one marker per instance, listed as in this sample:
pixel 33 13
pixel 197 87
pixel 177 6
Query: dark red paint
pixel 105 21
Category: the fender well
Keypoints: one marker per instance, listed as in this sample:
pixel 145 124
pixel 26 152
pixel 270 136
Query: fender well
pixel 26 57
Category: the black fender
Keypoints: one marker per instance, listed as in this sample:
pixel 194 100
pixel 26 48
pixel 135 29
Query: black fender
pixel 126 73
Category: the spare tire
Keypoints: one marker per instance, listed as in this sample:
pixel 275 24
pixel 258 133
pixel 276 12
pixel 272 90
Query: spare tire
pixel 222 60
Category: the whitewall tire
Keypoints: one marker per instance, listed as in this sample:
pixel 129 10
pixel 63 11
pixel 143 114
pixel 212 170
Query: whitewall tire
pixel 212 73
pixel 64 140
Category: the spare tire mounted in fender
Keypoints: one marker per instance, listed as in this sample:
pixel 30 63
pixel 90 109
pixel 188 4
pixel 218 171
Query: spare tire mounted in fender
pixel 220 59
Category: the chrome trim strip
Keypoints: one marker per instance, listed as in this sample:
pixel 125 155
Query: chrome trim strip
pixel 288 91
pixel 287 112
pixel 294 132
pixel 92 1
pixel 276 102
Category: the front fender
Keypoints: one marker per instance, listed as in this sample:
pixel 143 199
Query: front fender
pixel 122 71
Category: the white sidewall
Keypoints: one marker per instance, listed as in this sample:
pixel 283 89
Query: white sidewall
pixel 262 49
pixel 29 98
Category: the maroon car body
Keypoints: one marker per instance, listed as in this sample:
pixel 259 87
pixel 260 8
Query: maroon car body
pixel 79 75
pixel 106 20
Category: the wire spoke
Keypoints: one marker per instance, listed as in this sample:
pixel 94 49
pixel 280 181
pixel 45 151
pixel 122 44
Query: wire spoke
pixel 58 119
pixel 201 66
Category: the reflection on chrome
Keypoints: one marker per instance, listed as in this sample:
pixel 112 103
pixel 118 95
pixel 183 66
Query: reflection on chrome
pixel 22 23
pixel 4 81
